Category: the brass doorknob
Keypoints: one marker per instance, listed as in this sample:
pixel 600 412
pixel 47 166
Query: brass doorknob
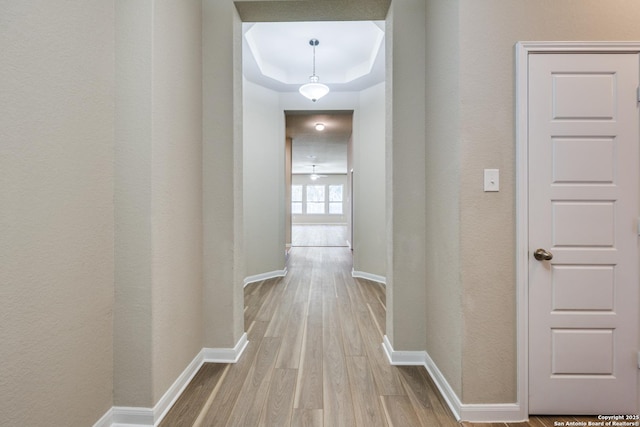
pixel 542 255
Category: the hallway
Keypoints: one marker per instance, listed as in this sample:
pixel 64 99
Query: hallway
pixel 314 358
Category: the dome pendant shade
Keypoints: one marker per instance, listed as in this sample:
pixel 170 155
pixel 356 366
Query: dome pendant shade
pixel 314 90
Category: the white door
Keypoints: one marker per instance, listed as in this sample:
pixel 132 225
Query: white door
pixel 583 211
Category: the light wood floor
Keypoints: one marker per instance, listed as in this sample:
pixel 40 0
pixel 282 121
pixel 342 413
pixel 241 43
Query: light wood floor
pixel 315 358
pixel 318 235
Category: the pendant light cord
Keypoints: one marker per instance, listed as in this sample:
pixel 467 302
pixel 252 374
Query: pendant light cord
pixel 314 43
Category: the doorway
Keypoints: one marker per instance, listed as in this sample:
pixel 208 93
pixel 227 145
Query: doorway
pixel 353 114
pixel 319 194
pixel 578 268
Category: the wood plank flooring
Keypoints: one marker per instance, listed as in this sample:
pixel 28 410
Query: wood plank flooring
pixel 327 235
pixel 315 359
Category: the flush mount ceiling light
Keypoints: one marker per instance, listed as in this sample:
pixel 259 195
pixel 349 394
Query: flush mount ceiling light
pixel 319 126
pixel 314 90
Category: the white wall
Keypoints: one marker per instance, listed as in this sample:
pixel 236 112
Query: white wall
pixel 56 212
pixel 333 101
pixel 158 196
pixel 370 237
pixel 264 180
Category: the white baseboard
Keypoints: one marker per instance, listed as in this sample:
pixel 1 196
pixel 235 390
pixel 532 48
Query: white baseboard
pixel 402 358
pixel 122 416
pixel 171 395
pixel 319 223
pixel 225 355
pixel 493 413
pixel 444 387
pixel 264 276
pixel 106 420
pixel 369 276
pixel 480 413
pixel 129 417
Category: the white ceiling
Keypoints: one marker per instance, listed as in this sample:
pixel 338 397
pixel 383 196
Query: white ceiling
pixel 349 58
pixel 326 149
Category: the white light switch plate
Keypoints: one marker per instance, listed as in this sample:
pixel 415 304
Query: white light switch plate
pixel 491 180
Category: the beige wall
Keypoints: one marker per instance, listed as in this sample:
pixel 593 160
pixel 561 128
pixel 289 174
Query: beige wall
pixel 56 212
pixel 177 190
pixel 443 303
pixel 133 245
pixel 478 308
pixel 487 140
pixel 369 243
pixel 158 196
pixel 405 175
pixel 222 159
pixel 264 180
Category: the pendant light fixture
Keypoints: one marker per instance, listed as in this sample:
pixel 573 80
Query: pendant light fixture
pixel 314 90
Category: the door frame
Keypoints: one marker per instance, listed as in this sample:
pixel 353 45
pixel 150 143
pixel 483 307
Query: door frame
pixel 523 50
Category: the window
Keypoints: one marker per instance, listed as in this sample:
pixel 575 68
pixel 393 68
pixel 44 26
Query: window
pixel 317 199
pixel 335 199
pixel 296 199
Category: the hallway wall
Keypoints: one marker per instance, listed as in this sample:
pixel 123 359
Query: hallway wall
pixel 177 202
pixel 263 182
pixel 56 212
pixel 487 81
pixel 405 175
pixel 158 197
pixel 472 127
pixel 222 174
pixel 370 238
pixel 443 303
